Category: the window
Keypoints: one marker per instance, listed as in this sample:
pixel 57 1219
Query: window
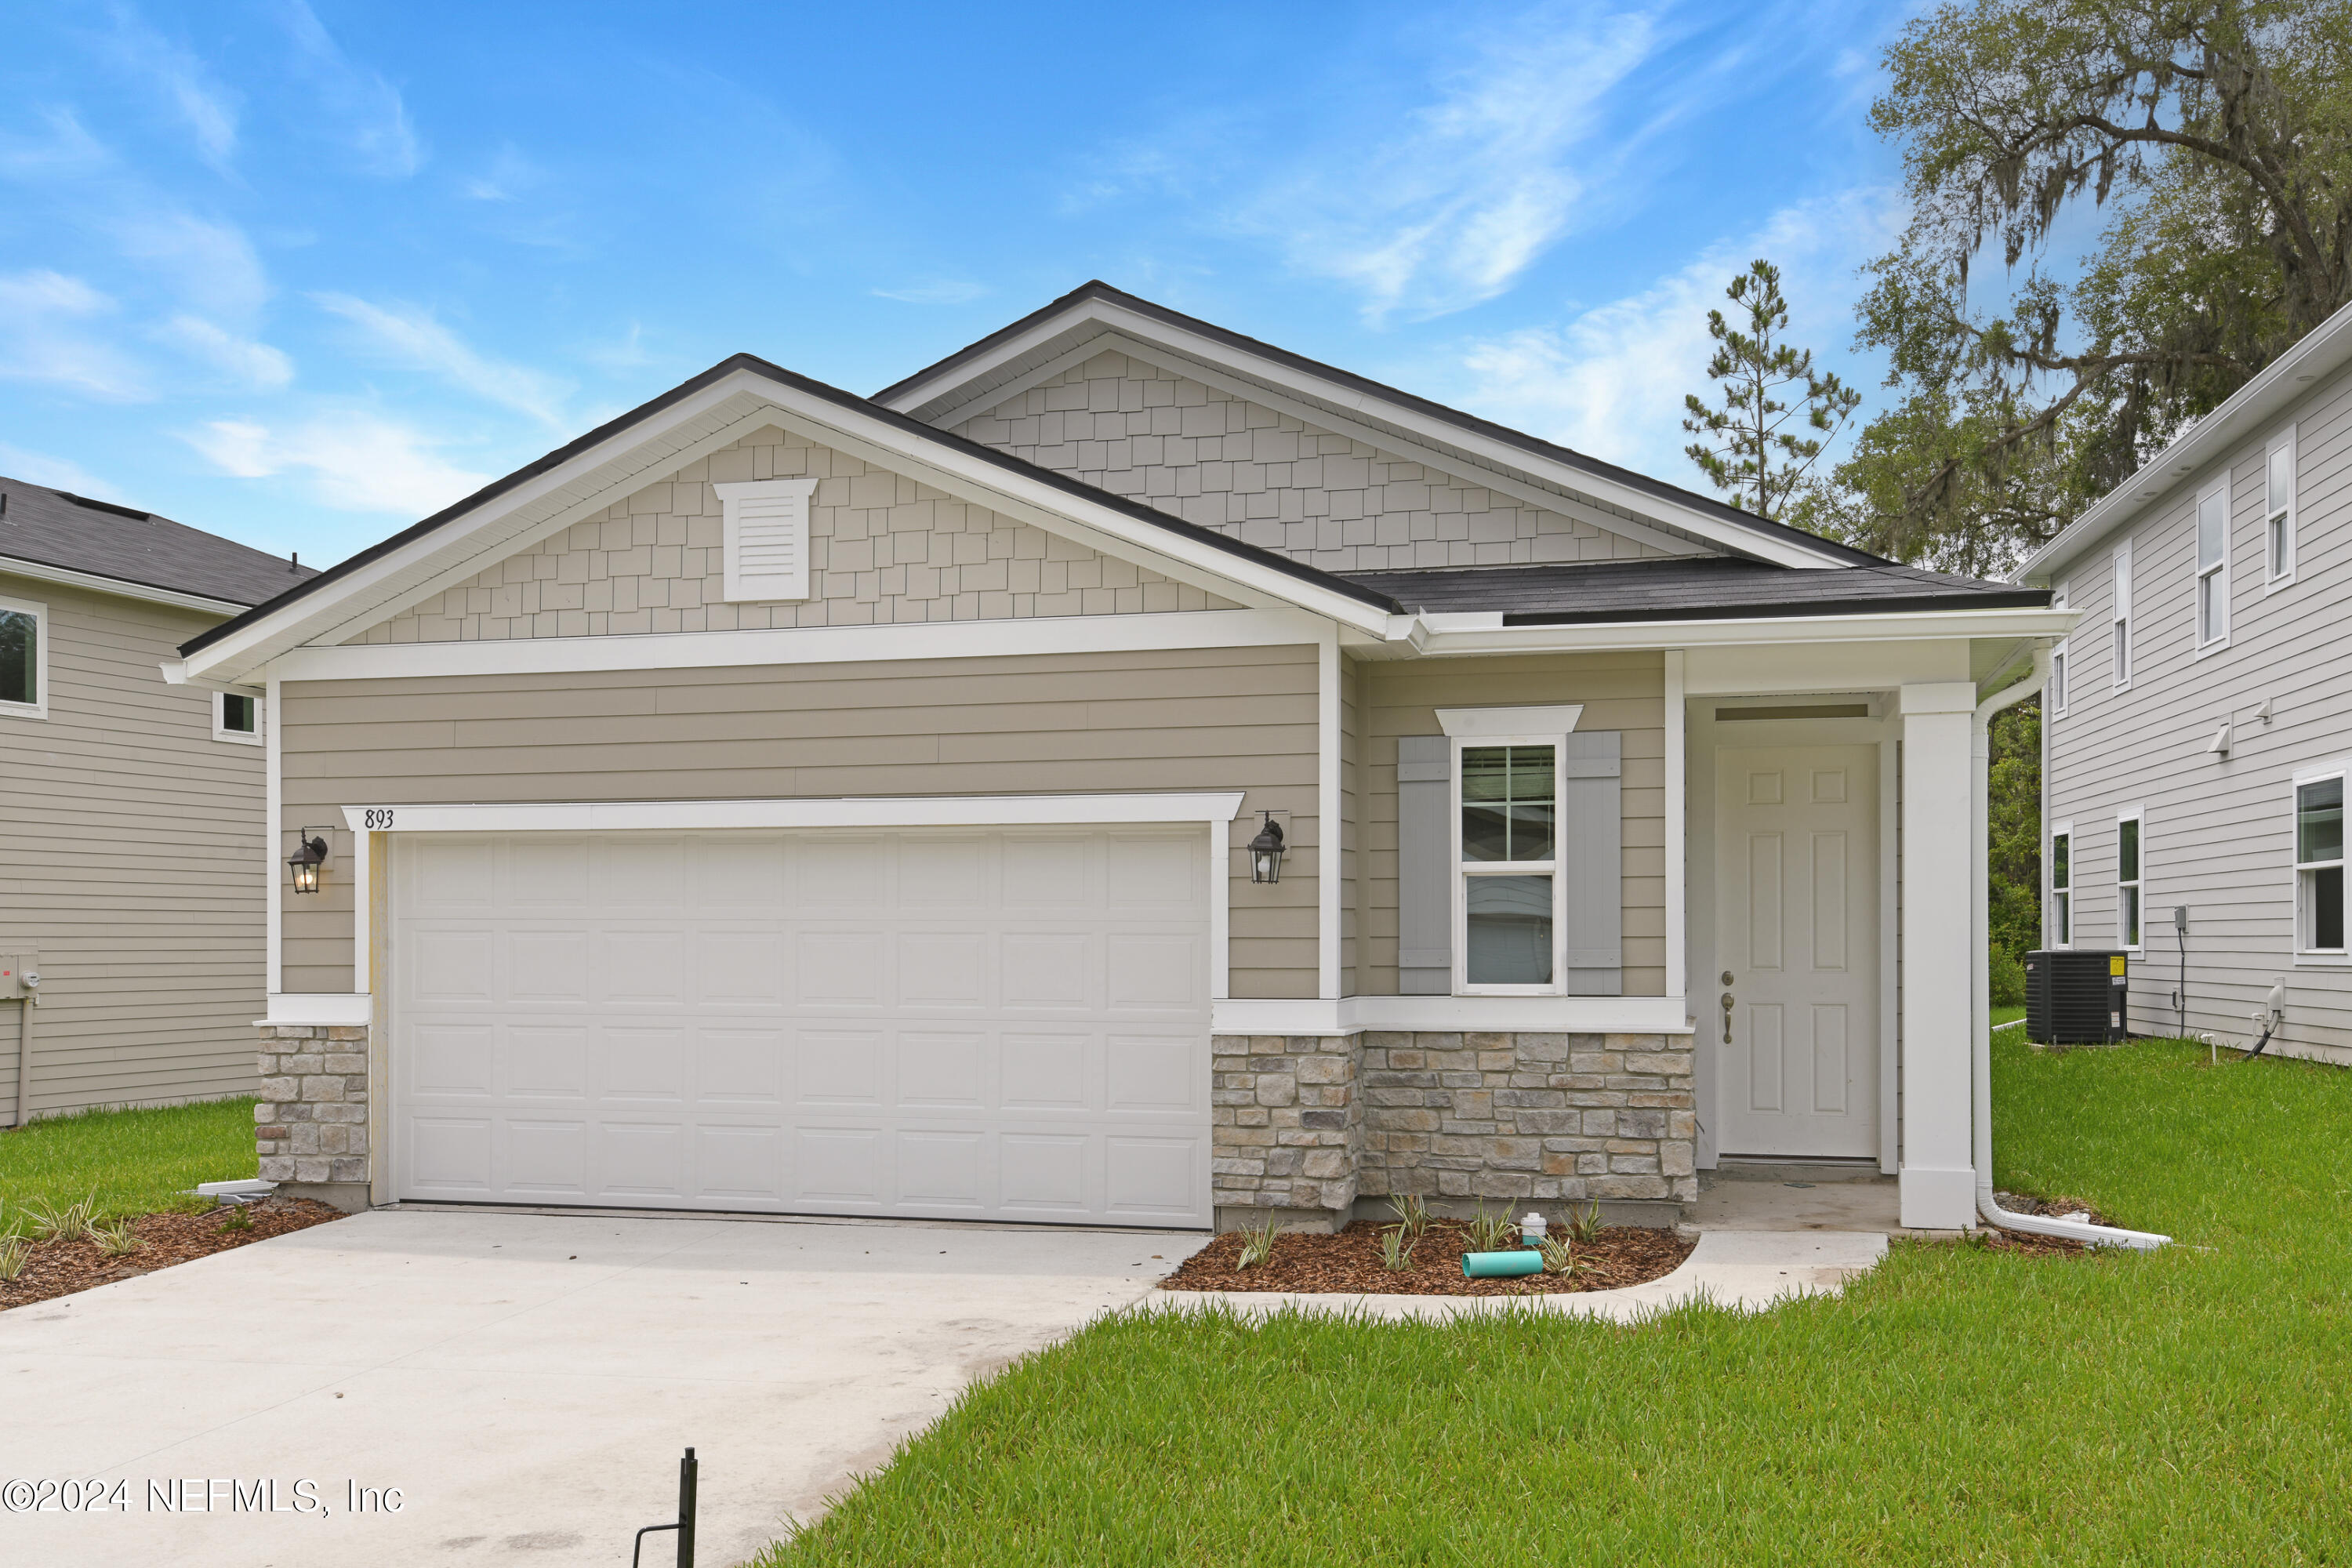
pixel 2123 615
pixel 2053 691
pixel 2319 865
pixel 2130 830
pixel 24 659
pixel 1510 919
pixel 2278 510
pixel 2213 566
pixel 765 538
pixel 2062 886
pixel 236 716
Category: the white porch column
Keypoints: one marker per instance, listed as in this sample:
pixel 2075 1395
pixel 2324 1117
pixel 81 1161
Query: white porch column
pixel 1939 1180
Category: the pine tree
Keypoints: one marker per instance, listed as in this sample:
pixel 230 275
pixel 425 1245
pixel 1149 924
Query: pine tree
pixel 1747 446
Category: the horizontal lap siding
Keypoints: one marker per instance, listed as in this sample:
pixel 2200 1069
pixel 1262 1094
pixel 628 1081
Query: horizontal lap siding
pixel 2219 836
pixel 1190 719
pixel 132 862
pixel 1625 693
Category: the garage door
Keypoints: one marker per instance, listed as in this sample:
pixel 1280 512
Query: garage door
pixel 984 1023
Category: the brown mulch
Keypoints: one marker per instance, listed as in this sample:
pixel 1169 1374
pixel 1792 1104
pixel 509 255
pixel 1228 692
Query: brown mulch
pixel 62 1267
pixel 1350 1262
pixel 2026 1245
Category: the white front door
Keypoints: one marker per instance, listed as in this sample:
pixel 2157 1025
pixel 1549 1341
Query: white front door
pixel 950 1024
pixel 1796 935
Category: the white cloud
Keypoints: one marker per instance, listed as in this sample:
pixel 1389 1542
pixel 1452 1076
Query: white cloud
pixel 350 461
pixel 255 363
pixel 942 293
pixel 367 110
pixel 44 336
pixel 211 266
pixel 1611 382
pixel 56 473
pixel 66 149
pixel 508 176
pixel 410 337
pixel 208 108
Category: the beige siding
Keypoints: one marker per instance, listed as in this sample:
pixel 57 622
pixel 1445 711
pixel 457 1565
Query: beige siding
pixel 1214 459
pixel 130 862
pixel 2219 836
pixel 882 549
pixel 1625 693
pixel 1188 720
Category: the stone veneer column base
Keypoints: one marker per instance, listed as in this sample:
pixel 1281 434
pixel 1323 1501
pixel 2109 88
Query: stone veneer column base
pixel 1287 1130
pixel 311 1126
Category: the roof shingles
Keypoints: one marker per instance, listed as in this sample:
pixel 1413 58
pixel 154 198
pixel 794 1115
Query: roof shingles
pixel 54 528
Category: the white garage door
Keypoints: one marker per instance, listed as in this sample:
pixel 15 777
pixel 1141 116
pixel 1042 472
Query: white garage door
pixel 976 1024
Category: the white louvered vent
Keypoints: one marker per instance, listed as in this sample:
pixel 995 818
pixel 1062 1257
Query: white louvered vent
pixel 766 525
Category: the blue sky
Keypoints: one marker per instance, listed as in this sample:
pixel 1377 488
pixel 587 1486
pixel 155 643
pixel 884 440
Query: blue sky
pixel 301 273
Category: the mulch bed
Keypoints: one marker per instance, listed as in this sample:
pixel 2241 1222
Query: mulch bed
pixel 61 1267
pixel 1350 1262
pixel 2030 1245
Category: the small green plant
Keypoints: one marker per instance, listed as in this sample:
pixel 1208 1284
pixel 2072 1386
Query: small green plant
pixel 1257 1242
pixel 1396 1249
pixel 1493 1232
pixel 1559 1257
pixel 1584 1227
pixel 1412 1214
pixel 62 1222
pixel 239 1218
pixel 14 1253
pixel 116 1241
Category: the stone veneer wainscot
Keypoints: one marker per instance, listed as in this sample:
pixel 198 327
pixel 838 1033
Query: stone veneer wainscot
pixel 311 1125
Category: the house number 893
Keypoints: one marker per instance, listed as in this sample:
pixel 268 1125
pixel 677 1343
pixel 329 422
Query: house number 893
pixel 376 818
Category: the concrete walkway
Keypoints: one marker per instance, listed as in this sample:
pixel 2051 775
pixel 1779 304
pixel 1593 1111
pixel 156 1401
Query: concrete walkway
pixel 525 1381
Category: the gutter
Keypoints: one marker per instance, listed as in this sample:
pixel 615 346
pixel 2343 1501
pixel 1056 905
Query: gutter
pixel 1979 997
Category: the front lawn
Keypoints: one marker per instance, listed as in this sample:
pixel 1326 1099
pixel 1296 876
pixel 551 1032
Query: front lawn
pixel 1959 1404
pixel 137 1162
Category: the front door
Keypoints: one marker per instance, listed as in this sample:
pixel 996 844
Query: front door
pixel 1797 934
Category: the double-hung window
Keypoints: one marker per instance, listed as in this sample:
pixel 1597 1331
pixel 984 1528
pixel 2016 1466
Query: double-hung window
pixel 2053 692
pixel 24 659
pixel 2278 511
pixel 2319 864
pixel 2122 614
pixel 1508 915
pixel 2062 886
pixel 2213 565
pixel 2130 828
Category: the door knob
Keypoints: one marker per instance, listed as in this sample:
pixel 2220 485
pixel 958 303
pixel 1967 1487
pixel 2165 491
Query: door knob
pixel 1726 1001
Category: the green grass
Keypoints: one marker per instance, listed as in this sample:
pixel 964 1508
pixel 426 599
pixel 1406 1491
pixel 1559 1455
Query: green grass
pixel 137 1162
pixel 1959 1404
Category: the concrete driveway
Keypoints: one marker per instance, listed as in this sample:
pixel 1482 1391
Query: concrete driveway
pixel 526 1381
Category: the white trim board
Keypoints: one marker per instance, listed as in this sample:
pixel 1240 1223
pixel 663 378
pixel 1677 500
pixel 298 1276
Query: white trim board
pixel 873 811
pixel 66 576
pixel 1450 1015
pixel 320 1009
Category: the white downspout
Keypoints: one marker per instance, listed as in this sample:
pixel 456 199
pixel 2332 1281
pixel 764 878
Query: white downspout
pixel 1979 991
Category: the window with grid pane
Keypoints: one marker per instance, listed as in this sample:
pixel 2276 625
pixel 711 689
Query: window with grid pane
pixel 2061 890
pixel 2319 865
pixel 1510 806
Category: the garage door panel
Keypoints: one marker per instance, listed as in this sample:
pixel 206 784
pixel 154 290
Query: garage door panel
pixel 928 1022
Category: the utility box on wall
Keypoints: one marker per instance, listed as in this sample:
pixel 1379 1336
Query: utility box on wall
pixel 13 966
pixel 2074 997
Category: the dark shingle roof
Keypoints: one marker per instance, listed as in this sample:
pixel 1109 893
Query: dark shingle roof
pixel 56 528
pixel 1689 589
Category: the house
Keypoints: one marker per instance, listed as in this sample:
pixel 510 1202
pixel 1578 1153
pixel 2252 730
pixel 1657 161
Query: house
pixel 131 811
pixel 2195 752
pixel 783 799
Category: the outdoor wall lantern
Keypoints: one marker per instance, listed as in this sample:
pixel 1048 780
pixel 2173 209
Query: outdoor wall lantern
pixel 305 861
pixel 1265 852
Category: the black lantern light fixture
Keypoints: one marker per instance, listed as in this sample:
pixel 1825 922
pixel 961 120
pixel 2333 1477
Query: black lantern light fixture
pixel 1265 852
pixel 306 859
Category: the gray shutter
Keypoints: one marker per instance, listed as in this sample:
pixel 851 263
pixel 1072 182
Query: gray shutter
pixel 1424 876
pixel 1592 858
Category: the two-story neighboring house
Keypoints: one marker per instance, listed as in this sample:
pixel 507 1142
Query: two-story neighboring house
pixel 131 811
pixel 2198 725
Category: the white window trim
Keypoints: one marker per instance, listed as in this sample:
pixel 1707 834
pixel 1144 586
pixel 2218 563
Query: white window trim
pixel 2060 660
pixel 732 494
pixel 2051 891
pixel 2220 571
pixel 2284 438
pixel 39 707
pixel 254 737
pixel 2315 957
pixel 2137 814
pixel 2120 617
pixel 1461 870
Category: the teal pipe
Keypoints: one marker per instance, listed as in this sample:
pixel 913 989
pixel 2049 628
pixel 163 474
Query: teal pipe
pixel 1500 1265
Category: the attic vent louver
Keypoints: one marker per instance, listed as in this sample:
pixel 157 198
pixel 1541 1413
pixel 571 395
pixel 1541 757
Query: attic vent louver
pixel 766 547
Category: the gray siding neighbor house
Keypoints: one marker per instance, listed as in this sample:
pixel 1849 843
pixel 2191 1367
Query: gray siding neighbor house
pixel 2198 728
pixel 130 810
pixel 1125 773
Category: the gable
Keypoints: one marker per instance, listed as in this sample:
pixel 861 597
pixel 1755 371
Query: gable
pixel 882 549
pixel 1216 459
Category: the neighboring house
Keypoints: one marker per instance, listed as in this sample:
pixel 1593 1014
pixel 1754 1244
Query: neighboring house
pixel 2196 758
pixel 131 811
pixel 783 799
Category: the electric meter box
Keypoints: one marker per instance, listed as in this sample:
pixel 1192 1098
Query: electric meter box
pixel 12 969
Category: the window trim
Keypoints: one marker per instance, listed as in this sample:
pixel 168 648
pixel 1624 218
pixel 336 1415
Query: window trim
pixel 2119 615
pixel 1459 871
pixel 39 707
pixel 2290 514
pixel 2133 813
pixel 2052 893
pixel 2318 773
pixel 253 737
pixel 2060 663
pixel 2219 571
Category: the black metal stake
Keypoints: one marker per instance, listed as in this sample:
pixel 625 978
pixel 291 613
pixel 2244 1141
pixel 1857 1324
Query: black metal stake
pixel 688 1472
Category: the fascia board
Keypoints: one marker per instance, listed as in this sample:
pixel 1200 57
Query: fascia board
pixel 724 815
pixel 2293 374
pixel 1096 313
pixel 98 582
pixel 1635 634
